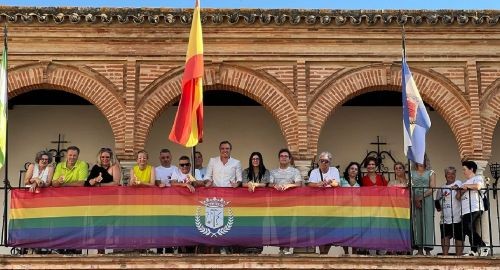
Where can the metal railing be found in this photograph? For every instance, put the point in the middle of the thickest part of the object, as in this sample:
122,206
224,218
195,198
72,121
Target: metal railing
440,215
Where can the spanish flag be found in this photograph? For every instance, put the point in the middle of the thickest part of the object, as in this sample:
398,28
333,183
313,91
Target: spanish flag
188,124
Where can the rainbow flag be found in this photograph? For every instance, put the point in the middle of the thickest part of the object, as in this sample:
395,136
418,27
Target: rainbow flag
126,217
188,124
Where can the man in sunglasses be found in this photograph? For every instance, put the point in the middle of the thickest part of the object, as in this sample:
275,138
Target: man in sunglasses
183,177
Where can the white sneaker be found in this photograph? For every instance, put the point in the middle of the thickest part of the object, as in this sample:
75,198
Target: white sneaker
472,253
223,251
484,251
287,251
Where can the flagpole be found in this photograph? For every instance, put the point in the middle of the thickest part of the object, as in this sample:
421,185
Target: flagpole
193,161
6,165
410,186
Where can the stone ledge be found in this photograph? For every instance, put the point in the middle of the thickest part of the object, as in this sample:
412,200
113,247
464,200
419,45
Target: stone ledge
244,262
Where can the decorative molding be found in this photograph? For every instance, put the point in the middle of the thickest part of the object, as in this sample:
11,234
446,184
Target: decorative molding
323,17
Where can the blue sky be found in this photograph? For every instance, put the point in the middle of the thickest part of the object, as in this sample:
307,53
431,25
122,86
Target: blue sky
308,4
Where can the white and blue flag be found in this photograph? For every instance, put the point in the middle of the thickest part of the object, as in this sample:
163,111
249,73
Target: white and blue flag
416,121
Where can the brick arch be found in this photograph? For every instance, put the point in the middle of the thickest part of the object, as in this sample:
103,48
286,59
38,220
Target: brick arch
436,90
263,88
76,80
490,115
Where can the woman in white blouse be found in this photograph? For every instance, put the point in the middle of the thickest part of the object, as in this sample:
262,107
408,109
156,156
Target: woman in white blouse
39,174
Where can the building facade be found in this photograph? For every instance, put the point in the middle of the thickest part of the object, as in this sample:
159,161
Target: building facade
300,65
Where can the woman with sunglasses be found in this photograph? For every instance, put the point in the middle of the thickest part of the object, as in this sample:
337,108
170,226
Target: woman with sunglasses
256,175
324,176
39,174
106,171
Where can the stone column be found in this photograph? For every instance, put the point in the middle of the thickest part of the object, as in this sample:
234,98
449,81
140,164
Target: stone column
304,166
126,165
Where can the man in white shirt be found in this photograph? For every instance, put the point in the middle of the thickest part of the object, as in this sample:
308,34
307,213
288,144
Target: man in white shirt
163,175
223,171
451,207
165,170
198,163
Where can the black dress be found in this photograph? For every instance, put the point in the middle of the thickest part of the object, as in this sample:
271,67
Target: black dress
106,177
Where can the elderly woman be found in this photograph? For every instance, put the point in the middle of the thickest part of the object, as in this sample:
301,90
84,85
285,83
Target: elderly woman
400,179
142,174
423,182
325,175
106,171
256,175
39,174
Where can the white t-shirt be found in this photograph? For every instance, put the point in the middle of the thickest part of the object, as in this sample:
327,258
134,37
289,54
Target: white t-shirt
183,178
290,175
470,205
451,207
223,174
164,174
331,174
203,172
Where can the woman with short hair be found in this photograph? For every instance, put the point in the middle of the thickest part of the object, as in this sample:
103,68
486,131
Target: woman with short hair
142,174
400,179
39,174
372,178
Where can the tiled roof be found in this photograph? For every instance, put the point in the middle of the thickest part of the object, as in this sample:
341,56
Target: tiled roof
277,17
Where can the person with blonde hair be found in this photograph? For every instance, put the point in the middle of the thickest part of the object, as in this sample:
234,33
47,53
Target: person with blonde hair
106,171
142,174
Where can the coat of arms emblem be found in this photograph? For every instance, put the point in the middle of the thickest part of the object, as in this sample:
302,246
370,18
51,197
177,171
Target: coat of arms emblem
214,217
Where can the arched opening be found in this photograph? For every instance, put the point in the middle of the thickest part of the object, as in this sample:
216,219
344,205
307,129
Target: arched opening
36,118
350,130
495,153
228,116
272,95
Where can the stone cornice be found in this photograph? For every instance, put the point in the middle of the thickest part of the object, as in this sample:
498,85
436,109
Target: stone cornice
270,17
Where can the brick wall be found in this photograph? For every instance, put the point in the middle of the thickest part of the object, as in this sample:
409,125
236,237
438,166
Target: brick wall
137,74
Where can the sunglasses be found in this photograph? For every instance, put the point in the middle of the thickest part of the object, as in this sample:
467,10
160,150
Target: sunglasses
184,164
324,161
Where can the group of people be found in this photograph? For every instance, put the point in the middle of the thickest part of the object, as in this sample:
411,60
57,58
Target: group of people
460,202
